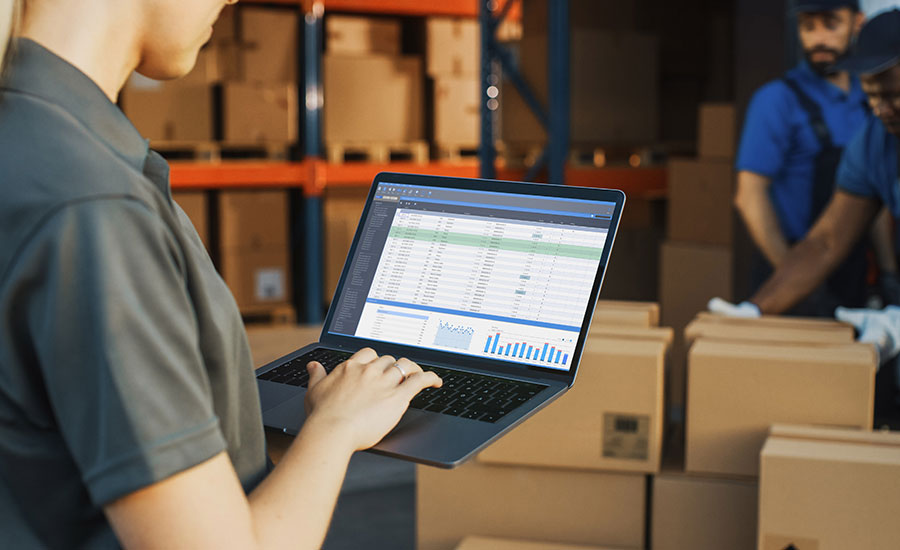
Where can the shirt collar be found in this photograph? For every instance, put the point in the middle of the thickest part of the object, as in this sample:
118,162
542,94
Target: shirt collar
811,79
36,71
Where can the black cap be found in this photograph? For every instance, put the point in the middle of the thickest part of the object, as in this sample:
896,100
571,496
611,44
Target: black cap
818,6
878,47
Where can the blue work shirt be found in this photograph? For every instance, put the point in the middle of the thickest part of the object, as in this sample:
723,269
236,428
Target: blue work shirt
778,141
869,166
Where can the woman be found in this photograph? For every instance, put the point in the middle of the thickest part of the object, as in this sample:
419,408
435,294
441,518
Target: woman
128,407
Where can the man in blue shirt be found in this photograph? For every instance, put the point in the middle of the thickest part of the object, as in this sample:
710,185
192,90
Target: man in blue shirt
794,134
866,180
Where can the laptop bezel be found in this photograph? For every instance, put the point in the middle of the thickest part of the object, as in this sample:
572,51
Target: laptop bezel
470,362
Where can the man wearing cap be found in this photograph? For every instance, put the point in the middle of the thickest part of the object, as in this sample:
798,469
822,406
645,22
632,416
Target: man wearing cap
794,134
866,179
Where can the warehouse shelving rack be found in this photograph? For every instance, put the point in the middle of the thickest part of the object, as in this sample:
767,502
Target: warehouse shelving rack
312,174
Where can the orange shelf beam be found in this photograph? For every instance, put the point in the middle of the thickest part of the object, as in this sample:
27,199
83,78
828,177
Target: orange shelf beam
453,8
196,175
315,176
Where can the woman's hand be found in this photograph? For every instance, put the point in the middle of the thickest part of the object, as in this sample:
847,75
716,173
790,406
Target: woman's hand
365,396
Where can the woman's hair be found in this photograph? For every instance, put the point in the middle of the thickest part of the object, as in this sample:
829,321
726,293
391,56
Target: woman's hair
10,15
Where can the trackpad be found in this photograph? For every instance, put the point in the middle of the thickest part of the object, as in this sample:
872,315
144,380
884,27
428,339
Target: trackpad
288,415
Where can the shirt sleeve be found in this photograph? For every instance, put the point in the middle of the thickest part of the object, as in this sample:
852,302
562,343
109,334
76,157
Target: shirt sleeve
852,175
118,346
766,138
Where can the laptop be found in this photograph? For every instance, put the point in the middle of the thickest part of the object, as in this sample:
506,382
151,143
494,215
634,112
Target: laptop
490,284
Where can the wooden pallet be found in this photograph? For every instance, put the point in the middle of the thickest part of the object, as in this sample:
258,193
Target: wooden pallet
519,155
457,153
276,314
343,152
215,151
600,157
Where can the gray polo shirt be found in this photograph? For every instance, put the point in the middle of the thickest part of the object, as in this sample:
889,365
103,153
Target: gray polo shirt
123,359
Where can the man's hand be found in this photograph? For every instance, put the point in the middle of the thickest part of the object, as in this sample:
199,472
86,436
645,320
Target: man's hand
881,328
745,310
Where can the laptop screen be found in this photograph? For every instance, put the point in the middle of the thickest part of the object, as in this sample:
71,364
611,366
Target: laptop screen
494,275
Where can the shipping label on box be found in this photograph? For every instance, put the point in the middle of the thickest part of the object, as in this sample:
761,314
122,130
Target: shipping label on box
270,285
626,436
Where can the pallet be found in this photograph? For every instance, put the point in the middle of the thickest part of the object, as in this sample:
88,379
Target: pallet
519,155
601,157
276,314
344,152
215,151
457,153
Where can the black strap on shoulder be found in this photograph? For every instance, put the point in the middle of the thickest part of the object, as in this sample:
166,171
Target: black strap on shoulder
814,110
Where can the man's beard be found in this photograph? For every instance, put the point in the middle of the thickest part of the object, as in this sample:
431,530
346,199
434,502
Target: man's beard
823,68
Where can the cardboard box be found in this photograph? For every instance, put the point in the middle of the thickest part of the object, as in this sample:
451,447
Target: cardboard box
269,44
611,419
491,543
657,334
260,113
631,314
830,491
257,277
361,35
718,131
216,63
541,504
357,111
196,205
786,330
633,269
696,513
691,274
169,111
253,219
457,111
701,193
342,208
614,99
453,47
736,390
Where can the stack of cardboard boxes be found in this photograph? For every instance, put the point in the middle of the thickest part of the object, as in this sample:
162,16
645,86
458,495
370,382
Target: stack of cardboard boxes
253,248
824,488
373,93
696,261
614,77
576,472
242,89
745,375
454,63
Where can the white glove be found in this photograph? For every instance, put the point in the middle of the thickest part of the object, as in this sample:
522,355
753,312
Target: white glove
745,310
880,328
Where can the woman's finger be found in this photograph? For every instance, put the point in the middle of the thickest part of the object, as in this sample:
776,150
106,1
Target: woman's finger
316,373
417,382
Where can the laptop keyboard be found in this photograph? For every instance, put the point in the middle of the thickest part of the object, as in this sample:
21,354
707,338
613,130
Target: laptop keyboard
464,394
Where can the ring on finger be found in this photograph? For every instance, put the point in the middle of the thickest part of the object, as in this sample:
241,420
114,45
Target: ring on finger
403,373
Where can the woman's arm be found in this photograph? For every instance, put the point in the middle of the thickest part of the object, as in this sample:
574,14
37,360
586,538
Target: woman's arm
205,506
